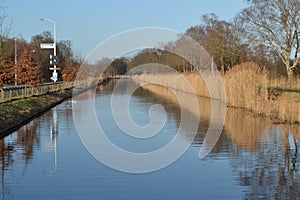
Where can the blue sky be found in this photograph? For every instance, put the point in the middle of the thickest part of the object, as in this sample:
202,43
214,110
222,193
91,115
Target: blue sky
87,23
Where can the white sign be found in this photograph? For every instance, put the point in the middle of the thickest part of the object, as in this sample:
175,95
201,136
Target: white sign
54,68
47,46
54,76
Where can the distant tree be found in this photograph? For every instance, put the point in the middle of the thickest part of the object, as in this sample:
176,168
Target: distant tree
5,28
69,73
217,39
153,57
222,40
104,65
144,56
119,66
42,55
65,58
180,61
65,53
276,23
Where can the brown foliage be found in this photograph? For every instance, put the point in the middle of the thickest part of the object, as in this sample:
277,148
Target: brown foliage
6,71
69,73
28,71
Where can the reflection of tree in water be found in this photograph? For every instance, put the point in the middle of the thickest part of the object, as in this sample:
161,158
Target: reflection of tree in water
27,138
24,141
6,152
90,92
23,144
264,160
269,172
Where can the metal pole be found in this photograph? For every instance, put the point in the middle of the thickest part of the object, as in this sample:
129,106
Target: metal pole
16,62
54,32
54,49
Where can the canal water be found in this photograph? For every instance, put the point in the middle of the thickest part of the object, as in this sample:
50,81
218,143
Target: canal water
253,159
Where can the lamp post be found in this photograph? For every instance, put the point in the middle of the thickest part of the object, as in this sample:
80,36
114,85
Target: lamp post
54,74
16,62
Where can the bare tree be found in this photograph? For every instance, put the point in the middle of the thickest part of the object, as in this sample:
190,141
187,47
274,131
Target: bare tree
223,40
5,28
276,23
42,55
65,53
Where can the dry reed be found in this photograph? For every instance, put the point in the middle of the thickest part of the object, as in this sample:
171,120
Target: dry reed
246,87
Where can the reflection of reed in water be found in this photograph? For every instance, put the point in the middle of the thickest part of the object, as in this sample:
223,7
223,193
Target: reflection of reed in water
203,107
242,128
170,102
293,129
169,96
245,130
264,157
272,171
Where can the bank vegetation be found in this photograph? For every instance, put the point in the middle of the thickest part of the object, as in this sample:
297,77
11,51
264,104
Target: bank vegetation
248,87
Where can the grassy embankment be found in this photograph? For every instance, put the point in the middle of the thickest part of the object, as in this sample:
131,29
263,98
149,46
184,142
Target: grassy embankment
246,87
14,114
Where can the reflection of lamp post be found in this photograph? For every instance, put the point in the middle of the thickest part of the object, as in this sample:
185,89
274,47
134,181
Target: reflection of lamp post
54,74
54,132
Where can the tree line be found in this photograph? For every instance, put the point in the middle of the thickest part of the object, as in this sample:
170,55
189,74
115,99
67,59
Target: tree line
23,62
266,32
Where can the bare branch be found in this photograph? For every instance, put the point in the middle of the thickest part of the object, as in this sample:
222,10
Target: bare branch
276,22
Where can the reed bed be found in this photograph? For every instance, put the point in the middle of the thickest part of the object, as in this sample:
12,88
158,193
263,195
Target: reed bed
246,87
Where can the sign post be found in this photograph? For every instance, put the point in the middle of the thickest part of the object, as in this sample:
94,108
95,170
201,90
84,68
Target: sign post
47,46
53,59
54,76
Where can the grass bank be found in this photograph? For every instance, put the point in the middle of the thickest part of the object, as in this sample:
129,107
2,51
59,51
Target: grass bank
14,114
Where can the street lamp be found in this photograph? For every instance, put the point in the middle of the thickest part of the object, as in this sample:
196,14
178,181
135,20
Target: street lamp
54,75
16,62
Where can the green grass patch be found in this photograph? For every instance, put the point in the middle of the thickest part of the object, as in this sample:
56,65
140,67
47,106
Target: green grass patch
15,112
